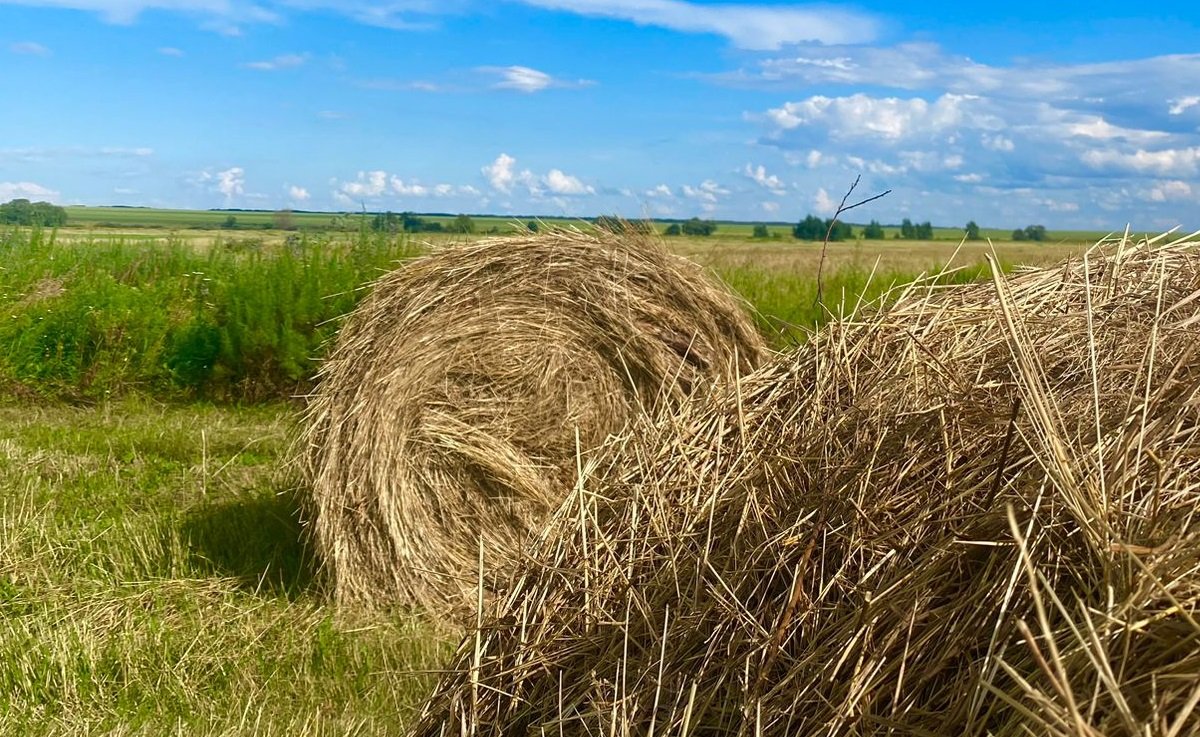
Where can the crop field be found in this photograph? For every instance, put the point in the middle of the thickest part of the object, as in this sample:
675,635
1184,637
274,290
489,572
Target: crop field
153,574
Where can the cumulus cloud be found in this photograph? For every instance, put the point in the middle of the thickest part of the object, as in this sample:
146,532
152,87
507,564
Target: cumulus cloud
565,184
708,192
528,80
746,26
758,174
298,194
378,184
661,190
1171,190
283,61
500,174
171,51
887,118
1183,104
231,182
1163,162
823,203
26,190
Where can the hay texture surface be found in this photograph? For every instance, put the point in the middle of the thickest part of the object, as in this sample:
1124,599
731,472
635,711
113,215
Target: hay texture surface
973,512
462,393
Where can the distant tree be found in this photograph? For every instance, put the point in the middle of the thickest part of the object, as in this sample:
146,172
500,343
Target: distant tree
874,231
813,228
925,231
760,231
283,219
24,212
1018,234
532,225
229,223
462,224
410,223
696,226
908,231
972,231
673,229
1035,233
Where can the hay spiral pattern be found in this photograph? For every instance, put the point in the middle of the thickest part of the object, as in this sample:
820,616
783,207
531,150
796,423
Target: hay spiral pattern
460,396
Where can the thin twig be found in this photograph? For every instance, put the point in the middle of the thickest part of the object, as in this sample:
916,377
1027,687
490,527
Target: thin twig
829,231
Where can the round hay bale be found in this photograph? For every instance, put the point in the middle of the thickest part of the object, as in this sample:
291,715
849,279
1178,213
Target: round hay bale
974,512
462,393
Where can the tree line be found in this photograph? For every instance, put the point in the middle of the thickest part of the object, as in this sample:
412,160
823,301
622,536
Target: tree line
24,212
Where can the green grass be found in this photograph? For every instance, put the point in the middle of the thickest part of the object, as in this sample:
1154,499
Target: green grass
153,580
85,320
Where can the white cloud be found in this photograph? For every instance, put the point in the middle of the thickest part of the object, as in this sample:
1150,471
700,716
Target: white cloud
26,190
767,181
925,66
708,192
378,184
1171,190
769,207
171,51
746,26
813,159
231,182
499,173
1182,104
972,178
283,61
997,142
29,48
298,194
1164,162
887,119
528,80
367,184
411,188
661,190
565,184
823,203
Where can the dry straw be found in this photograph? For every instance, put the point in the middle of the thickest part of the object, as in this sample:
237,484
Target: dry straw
972,512
461,394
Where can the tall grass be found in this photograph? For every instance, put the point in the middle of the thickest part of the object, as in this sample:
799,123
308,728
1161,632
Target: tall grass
105,316
789,307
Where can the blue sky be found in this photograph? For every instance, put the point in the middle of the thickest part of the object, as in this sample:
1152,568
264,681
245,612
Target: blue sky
1069,114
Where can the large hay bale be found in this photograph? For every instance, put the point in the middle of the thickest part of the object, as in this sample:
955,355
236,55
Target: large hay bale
974,512
464,390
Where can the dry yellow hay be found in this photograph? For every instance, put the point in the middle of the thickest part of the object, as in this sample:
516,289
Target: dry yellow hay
450,412
973,512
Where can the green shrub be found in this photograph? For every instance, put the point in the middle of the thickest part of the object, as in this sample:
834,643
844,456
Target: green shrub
107,316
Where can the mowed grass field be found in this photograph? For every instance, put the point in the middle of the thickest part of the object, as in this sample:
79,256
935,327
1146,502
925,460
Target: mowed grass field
153,576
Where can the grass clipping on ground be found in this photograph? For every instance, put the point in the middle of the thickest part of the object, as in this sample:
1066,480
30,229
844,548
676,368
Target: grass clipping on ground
971,512
463,392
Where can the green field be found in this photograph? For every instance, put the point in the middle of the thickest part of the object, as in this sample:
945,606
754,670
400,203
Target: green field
135,218
153,577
